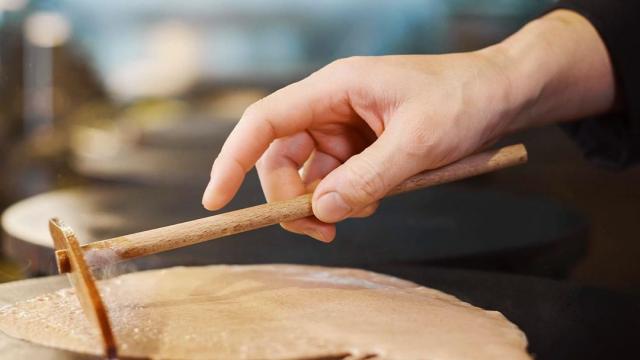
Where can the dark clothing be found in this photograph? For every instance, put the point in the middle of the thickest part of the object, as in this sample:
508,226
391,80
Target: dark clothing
613,139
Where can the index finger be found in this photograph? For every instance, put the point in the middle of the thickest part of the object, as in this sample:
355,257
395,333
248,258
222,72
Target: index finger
287,111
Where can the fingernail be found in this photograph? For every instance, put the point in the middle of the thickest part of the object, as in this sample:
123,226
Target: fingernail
208,194
331,207
315,234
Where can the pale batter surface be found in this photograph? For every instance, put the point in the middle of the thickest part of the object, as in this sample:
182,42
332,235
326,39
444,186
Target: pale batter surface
270,312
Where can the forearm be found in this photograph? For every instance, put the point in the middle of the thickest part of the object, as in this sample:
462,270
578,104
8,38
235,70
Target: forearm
558,69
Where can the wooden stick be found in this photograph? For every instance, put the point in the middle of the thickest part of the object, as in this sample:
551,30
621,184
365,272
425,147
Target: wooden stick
192,232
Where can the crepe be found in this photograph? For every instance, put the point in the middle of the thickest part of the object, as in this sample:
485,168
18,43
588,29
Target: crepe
270,312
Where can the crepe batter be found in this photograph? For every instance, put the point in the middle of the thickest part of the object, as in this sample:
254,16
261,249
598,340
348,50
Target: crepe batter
270,312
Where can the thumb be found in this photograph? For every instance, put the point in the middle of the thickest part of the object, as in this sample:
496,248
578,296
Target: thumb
362,180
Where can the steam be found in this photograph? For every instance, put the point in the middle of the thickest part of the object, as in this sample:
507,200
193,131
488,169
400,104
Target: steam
105,263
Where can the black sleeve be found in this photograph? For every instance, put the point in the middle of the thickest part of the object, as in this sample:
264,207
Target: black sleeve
613,139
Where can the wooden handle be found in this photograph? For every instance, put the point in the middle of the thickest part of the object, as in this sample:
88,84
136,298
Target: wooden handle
192,232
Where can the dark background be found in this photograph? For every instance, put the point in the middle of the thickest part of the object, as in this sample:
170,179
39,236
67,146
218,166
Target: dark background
103,75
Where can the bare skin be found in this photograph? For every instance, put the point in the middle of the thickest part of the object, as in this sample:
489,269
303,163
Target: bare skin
359,126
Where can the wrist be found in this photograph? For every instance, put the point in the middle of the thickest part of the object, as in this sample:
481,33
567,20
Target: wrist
556,69
518,93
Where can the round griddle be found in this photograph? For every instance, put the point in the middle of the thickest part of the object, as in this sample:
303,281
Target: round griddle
561,320
180,153
446,225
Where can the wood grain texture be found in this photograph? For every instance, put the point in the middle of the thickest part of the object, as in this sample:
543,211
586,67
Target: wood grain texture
477,164
192,232
85,286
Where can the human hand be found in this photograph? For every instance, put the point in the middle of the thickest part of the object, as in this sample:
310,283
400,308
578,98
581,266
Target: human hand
356,128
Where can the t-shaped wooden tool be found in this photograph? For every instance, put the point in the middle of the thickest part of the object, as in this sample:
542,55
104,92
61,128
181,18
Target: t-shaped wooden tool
82,280
73,258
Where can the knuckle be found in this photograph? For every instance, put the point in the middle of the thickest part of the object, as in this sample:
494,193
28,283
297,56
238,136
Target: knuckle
261,163
367,211
356,59
338,64
274,157
366,182
346,66
428,145
252,111
257,115
416,143
242,166
429,148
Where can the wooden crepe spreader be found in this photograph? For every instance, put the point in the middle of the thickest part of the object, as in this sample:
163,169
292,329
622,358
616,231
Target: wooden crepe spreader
77,260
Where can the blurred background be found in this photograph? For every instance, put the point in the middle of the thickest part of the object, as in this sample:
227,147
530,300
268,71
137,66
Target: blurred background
112,112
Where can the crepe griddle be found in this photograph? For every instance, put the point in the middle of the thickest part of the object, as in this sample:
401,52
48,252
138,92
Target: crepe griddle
561,320
77,260
459,225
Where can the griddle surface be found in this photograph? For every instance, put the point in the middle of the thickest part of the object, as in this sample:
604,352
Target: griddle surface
561,320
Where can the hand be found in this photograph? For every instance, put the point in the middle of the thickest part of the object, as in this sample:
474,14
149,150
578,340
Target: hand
362,125
356,128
